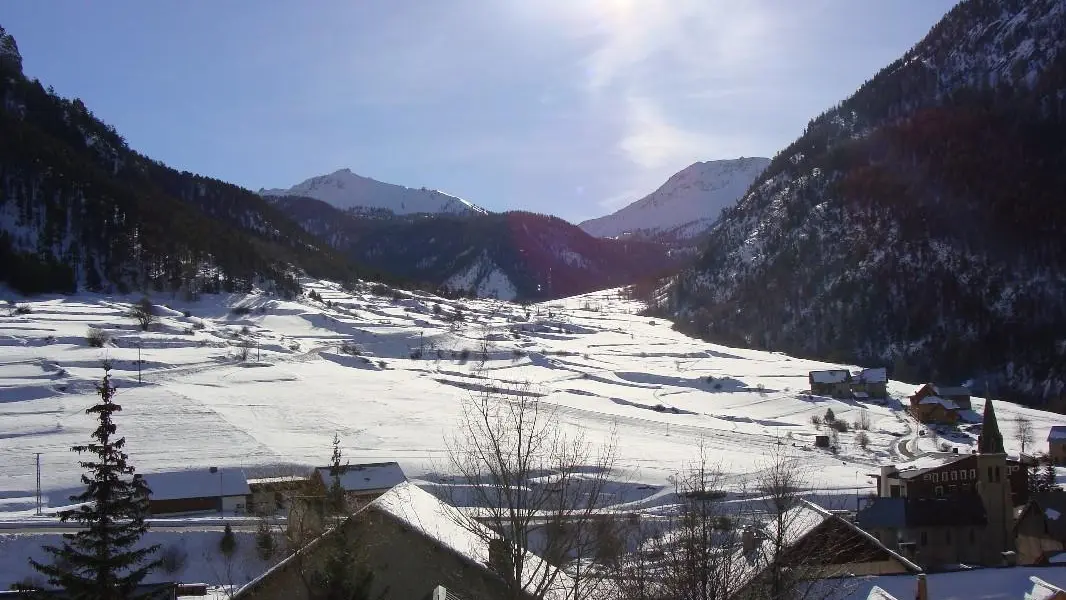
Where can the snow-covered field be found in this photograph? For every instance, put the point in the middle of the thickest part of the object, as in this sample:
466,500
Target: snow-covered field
603,366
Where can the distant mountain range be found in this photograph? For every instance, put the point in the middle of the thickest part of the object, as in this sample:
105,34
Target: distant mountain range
512,256
919,224
685,206
347,191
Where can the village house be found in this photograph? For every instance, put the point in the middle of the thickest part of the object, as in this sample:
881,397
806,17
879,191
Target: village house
941,509
272,494
413,544
1056,444
934,410
1040,529
198,490
957,394
870,383
1043,590
818,544
362,482
834,382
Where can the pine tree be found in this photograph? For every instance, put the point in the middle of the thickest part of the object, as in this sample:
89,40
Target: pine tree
335,497
829,416
102,561
228,544
1049,475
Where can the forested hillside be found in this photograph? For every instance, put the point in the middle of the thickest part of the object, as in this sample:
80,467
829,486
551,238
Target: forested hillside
514,255
80,210
919,224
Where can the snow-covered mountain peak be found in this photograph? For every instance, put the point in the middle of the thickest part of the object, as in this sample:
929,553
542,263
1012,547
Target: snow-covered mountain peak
698,192
349,191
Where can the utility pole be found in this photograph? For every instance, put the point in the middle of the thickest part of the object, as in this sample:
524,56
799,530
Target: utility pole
257,351
138,362
38,483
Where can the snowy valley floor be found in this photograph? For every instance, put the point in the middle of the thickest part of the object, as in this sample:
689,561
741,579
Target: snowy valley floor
603,366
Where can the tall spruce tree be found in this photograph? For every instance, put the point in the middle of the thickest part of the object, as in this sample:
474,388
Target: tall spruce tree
336,501
103,560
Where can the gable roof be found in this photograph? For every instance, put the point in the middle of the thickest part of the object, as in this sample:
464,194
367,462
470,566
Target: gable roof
1057,433
947,404
829,376
1043,590
876,375
198,483
366,477
799,522
439,523
877,593
1051,506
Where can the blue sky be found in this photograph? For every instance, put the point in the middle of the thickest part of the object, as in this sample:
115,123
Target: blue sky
569,107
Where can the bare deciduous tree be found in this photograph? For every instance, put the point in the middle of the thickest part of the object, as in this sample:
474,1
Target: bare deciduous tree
535,486
144,313
1023,431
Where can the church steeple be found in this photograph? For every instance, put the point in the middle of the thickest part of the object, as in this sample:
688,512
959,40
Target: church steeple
991,440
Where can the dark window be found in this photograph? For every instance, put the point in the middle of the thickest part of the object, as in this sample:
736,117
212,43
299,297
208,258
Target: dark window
973,473
997,473
990,474
939,490
951,488
894,491
925,538
954,475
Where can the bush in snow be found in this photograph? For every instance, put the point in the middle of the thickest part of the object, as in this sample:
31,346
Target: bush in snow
96,338
173,558
816,421
144,313
840,426
22,309
265,545
862,440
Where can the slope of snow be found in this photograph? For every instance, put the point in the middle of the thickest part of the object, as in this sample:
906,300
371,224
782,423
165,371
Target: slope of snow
485,279
697,193
347,368
346,190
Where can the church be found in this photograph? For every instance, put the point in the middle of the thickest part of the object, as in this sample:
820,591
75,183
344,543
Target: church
944,509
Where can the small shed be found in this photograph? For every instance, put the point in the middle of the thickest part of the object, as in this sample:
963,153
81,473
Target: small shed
821,441
1056,444
834,382
271,494
209,489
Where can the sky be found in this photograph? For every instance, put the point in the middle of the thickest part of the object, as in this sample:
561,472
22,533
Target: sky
569,107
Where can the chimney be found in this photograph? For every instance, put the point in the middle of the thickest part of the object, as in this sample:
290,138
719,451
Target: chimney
923,590
748,540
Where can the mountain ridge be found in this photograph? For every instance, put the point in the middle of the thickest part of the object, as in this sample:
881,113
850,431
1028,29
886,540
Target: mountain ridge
688,203
916,224
347,190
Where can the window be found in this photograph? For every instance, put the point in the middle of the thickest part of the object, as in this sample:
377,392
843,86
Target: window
954,475
939,490
990,474
927,477
973,473
997,473
936,477
952,488
925,538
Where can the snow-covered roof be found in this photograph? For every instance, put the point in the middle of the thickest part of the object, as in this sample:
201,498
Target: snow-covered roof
445,524
1057,433
1042,590
199,483
831,376
927,462
948,404
879,594
876,375
277,480
366,477
799,521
